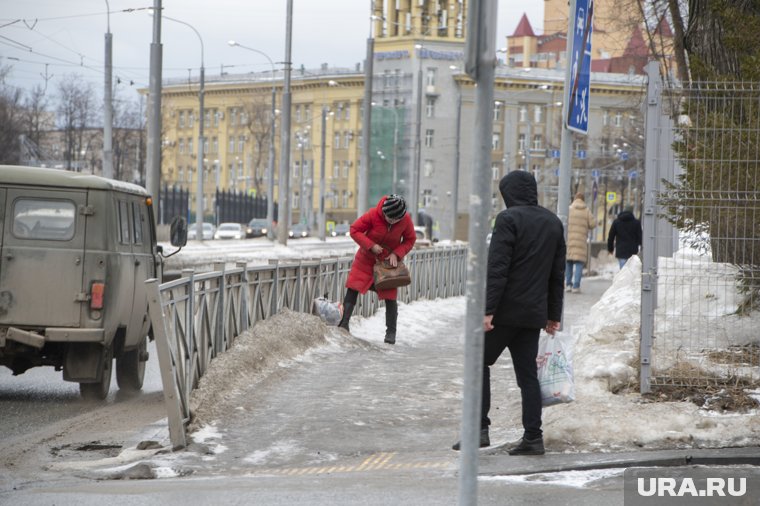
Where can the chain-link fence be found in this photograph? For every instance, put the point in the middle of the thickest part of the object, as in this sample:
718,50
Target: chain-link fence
701,221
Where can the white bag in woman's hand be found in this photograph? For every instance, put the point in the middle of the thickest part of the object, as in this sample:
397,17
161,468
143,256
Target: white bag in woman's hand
555,368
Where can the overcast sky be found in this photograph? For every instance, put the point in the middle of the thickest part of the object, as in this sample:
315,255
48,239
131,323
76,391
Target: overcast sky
68,36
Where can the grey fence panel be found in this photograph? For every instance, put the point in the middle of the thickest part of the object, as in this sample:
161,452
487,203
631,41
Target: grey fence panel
706,293
199,315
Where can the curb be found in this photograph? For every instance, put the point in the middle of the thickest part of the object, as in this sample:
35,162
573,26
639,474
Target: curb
498,462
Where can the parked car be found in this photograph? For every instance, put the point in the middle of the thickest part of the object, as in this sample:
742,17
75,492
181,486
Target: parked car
229,231
208,231
76,251
298,230
257,227
341,229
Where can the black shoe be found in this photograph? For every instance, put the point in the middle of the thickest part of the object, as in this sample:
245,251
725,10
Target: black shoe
529,447
484,440
390,337
344,325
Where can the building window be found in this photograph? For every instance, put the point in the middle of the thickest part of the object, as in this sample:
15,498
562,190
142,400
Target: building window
429,137
231,145
181,175
181,148
429,168
346,111
618,119
523,114
190,119
307,112
215,145
387,79
294,202
336,140
216,118
430,107
605,118
298,113
241,143
495,141
605,147
537,142
521,142
345,198
296,168
243,118
233,116
427,198
182,119
190,145
207,117
335,201
241,170
346,168
538,114
397,76
497,111
205,145
347,139
336,170
430,76
495,171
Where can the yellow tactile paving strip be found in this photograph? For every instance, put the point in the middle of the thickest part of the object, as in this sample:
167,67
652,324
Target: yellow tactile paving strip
377,462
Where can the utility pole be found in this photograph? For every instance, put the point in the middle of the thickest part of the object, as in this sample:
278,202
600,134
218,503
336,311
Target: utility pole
415,176
153,178
283,212
479,65
322,222
362,189
108,103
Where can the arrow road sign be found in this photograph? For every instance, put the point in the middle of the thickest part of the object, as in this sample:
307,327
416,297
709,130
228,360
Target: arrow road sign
577,119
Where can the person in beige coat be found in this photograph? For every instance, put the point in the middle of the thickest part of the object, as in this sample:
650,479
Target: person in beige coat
579,222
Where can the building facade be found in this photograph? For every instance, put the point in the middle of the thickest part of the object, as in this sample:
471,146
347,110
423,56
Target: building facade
422,112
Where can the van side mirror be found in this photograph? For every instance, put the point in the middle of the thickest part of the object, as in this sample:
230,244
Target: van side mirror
178,231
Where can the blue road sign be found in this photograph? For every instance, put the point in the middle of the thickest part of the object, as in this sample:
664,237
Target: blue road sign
580,154
624,155
633,174
578,99
595,174
555,153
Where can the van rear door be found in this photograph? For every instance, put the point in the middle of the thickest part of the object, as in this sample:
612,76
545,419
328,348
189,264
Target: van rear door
42,257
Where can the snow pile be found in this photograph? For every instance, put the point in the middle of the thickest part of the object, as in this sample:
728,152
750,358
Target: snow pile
607,351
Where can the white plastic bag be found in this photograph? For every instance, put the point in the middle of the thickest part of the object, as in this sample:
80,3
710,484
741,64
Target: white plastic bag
329,312
555,368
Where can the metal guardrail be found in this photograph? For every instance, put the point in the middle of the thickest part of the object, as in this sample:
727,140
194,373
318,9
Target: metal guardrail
198,316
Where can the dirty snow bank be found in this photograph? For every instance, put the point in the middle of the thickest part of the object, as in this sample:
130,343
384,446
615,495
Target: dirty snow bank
607,349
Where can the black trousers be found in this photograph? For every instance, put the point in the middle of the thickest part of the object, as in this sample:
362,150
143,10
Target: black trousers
523,346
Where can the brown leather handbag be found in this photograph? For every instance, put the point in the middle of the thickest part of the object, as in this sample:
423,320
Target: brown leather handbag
387,277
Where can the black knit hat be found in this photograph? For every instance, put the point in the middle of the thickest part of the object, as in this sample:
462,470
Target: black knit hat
394,207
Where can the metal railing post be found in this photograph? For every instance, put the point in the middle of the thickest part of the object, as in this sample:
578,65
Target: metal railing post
220,329
244,320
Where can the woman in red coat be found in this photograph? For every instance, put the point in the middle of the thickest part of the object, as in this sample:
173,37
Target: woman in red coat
385,232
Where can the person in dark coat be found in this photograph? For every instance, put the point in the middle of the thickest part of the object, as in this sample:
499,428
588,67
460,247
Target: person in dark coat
524,294
625,236
384,232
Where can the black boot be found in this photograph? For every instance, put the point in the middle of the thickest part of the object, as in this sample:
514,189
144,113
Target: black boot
484,440
348,308
529,447
391,315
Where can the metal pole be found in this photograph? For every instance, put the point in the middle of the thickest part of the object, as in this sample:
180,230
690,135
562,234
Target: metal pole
284,183
153,158
455,188
395,150
566,142
302,177
363,176
108,103
199,176
415,193
481,58
649,224
322,222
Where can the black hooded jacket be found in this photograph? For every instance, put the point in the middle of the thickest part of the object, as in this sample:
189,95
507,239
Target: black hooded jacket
526,259
625,235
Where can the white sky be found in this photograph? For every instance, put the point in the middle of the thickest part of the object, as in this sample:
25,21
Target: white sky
71,32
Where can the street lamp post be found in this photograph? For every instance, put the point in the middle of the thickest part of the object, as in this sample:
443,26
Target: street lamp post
283,223
108,106
322,222
415,177
272,127
199,175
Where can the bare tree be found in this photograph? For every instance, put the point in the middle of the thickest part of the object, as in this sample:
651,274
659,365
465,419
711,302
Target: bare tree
11,125
76,110
128,122
36,116
258,122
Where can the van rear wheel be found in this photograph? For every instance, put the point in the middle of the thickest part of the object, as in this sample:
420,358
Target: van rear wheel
99,390
130,368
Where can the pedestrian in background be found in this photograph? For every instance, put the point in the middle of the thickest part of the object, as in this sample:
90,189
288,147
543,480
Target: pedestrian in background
384,232
579,222
526,263
625,236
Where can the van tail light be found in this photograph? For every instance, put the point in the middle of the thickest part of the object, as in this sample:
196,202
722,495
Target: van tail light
96,295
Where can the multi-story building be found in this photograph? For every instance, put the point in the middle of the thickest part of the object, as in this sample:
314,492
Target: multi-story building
423,106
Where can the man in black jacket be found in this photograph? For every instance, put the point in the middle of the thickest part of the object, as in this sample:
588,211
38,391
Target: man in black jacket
524,291
625,236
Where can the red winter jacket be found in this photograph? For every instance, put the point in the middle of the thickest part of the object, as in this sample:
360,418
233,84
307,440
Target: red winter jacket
370,229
